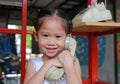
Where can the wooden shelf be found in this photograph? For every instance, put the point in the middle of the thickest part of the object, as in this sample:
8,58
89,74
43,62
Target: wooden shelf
95,26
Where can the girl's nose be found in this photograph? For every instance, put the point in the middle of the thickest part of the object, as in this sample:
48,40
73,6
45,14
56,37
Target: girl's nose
51,41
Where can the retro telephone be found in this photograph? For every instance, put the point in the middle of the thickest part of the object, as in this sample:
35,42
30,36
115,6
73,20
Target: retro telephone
54,73
94,13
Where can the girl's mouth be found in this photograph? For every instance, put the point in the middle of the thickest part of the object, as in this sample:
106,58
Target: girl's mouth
51,50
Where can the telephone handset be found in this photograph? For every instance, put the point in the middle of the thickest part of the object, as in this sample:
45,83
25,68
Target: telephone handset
55,73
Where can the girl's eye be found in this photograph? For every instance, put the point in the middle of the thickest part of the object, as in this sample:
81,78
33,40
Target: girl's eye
45,35
58,36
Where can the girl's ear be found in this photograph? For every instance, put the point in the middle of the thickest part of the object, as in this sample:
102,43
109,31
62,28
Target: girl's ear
69,34
35,36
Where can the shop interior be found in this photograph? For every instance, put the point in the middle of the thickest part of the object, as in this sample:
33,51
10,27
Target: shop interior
17,44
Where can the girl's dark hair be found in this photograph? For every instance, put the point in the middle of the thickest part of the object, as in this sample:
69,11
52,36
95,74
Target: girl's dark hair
51,12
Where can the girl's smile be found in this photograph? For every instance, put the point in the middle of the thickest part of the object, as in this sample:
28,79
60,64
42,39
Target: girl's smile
51,50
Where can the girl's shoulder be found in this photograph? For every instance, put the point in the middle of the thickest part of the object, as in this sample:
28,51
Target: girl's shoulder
37,62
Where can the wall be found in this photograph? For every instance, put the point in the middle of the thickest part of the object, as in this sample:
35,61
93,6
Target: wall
106,57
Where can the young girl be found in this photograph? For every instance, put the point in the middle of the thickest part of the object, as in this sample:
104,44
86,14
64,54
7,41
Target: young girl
52,27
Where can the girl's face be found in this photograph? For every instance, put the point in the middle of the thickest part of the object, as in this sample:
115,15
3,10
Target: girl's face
51,37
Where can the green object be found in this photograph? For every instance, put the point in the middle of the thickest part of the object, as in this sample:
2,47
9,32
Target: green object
118,68
118,35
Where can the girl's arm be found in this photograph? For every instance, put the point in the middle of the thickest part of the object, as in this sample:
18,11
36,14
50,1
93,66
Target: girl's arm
73,75
72,69
33,77
78,70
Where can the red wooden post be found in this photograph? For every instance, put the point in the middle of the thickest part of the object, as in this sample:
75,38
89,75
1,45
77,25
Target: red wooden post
93,54
91,2
93,58
23,43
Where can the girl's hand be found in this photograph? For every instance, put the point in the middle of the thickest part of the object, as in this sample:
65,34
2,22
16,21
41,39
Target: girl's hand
55,62
66,58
